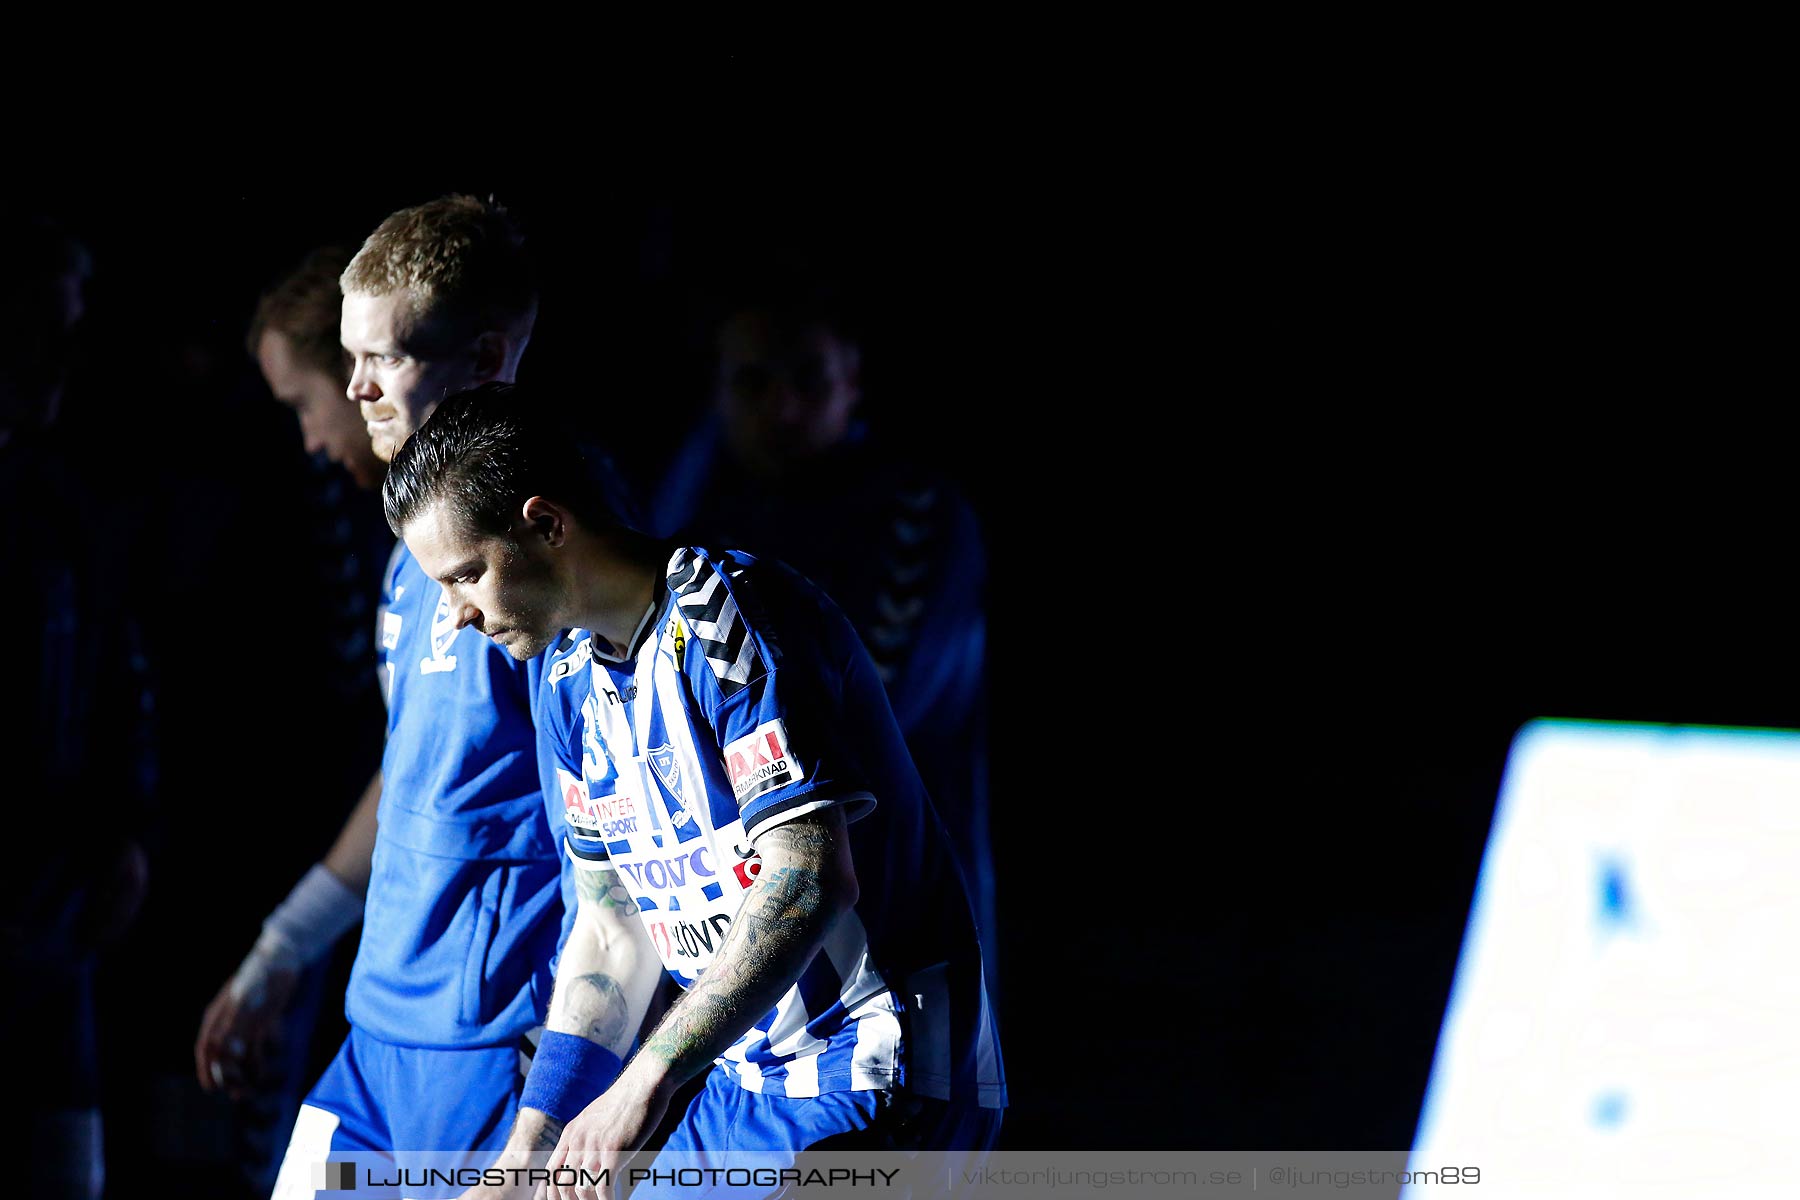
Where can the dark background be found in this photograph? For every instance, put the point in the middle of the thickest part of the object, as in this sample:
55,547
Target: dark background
1287,538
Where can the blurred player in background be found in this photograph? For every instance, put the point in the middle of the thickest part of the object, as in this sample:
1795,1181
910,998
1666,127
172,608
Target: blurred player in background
255,1046
294,339
785,465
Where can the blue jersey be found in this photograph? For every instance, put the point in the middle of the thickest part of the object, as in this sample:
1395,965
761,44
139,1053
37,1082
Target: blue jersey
464,903
746,700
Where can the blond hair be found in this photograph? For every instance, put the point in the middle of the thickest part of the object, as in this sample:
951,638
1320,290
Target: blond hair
462,260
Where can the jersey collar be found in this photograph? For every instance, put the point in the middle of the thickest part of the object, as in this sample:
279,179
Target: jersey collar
603,649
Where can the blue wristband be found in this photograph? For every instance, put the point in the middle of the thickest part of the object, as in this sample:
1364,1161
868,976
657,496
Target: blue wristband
567,1072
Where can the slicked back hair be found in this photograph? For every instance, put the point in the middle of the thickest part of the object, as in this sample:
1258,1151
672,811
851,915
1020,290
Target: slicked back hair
462,260
486,451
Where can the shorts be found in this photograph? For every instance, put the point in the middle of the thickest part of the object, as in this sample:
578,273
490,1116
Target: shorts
727,1125
376,1097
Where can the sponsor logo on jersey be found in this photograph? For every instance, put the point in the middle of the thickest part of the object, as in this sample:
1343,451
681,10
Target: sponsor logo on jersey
760,762
687,902
390,629
568,666
679,633
443,633
608,816
748,866
574,798
628,693
673,871
697,941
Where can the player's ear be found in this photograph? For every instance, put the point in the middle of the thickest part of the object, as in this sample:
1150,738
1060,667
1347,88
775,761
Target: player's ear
546,520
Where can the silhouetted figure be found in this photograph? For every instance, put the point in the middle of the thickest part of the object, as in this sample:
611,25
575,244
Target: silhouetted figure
77,747
293,337
783,465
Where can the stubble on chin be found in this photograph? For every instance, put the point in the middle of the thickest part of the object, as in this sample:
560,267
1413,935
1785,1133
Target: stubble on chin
523,646
523,650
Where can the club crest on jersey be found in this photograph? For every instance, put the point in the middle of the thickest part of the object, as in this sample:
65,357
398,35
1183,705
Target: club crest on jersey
662,761
679,634
760,762
443,633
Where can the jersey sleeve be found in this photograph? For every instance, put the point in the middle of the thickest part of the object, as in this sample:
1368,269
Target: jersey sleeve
781,742
562,753
768,671
783,755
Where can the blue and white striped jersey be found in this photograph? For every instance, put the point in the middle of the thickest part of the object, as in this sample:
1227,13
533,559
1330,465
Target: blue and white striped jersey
746,700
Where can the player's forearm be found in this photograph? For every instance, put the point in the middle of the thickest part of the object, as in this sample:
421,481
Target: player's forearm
534,1131
805,886
608,970
350,856
329,899
605,980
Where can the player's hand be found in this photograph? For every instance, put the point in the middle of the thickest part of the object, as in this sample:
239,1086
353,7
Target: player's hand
238,1032
605,1135
513,1158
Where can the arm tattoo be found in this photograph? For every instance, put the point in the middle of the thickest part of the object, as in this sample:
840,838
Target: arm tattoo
593,1006
787,896
604,888
595,985
775,934
602,1001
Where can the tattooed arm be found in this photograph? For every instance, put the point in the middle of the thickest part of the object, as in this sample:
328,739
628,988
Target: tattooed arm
608,970
604,983
807,883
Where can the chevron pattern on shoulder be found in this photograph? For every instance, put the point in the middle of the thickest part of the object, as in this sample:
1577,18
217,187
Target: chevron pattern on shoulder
712,615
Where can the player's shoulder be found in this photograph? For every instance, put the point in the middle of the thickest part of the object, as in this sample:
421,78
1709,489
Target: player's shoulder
745,617
720,625
691,568
567,657
762,588
565,682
